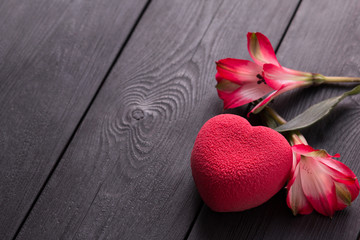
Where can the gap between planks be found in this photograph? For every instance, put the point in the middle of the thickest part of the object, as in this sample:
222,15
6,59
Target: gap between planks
82,117
276,50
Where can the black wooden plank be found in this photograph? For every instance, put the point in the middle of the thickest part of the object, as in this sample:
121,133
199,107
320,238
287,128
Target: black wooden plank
323,38
126,174
53,57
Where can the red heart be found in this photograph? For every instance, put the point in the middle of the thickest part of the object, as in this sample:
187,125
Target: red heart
237,166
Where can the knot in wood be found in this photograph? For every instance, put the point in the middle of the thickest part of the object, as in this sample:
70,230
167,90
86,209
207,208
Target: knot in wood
138,114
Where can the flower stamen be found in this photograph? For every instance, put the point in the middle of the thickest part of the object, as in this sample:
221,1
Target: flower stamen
261,79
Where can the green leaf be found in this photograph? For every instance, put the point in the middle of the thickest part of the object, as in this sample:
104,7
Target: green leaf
315,112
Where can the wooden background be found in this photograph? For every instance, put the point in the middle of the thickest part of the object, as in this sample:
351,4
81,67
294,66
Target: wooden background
101,102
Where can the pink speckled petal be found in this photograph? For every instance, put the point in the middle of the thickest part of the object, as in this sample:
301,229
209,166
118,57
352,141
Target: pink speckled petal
318,186
296,199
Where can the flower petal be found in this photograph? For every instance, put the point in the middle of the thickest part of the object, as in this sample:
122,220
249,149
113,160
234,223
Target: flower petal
226,85
277,76
354,189
271,96
296,160
346,194
293,173
318,186
302,149
260,49
338,166
296,199
238,70
243,95
343,196
345,176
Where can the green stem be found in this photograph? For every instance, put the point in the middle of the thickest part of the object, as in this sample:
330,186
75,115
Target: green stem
297,138
341,79
294,137
275,115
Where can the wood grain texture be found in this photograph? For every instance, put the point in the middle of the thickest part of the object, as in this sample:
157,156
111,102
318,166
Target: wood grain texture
323,38
53,57
126,174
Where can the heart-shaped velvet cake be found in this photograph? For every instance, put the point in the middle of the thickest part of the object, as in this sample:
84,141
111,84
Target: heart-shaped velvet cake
237,166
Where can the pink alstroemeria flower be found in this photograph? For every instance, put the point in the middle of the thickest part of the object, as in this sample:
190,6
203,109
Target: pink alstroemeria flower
319,182
239,82
242,81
